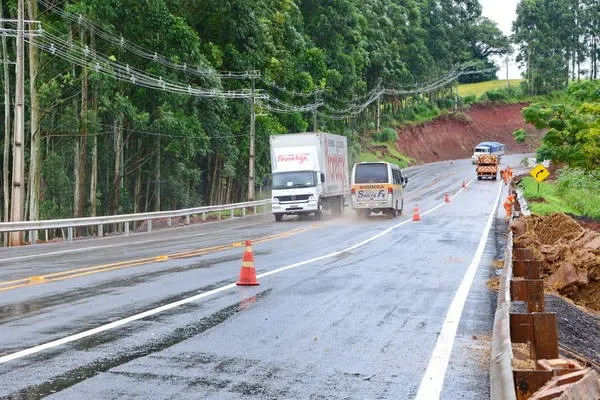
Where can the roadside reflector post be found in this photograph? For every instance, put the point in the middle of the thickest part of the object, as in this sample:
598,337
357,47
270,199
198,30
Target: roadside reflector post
126,228
187,219
100,230
203,216
243,211
232,213
254,209
169,222
70,234
33,236
149,225
219,215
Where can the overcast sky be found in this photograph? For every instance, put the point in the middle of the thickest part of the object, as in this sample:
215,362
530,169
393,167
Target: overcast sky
503,12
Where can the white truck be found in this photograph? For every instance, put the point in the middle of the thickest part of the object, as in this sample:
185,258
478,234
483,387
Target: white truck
310,174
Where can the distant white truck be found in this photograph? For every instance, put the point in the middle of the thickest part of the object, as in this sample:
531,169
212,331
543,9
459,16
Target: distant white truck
310,174
482,148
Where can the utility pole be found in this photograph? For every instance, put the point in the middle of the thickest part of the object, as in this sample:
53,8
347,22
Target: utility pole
18,186
507,81
315,111
252,134
378,114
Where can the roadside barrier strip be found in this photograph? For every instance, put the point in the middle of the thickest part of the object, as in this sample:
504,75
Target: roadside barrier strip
439,360
502,384
74,273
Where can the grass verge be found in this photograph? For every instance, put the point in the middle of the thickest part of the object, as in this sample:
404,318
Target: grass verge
376,151
480,88
574,192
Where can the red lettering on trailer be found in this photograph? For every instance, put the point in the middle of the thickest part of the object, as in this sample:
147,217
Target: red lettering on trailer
299,158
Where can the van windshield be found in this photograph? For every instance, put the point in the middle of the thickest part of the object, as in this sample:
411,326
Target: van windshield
371,173
294,179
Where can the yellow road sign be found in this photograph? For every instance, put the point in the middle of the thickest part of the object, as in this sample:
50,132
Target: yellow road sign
539,173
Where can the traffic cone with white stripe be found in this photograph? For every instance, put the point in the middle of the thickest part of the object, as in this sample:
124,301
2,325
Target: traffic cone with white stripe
248,272
446,198
416,216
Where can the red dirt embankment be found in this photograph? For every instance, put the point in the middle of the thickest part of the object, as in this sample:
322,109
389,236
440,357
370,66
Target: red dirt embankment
454,136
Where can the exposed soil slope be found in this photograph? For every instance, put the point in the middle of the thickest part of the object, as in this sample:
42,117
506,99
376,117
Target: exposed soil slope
570,255
453,137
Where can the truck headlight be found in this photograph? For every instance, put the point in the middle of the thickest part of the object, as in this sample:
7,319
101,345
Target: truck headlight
312,198
275,200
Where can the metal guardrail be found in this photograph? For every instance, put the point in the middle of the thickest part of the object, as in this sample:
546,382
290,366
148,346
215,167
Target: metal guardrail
125,219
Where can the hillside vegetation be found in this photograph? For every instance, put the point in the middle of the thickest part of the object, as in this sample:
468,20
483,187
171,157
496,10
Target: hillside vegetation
146,105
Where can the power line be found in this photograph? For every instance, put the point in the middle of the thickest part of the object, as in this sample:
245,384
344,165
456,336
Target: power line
141,51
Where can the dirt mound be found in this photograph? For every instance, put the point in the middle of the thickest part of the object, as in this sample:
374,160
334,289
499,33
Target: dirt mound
454,137
570,255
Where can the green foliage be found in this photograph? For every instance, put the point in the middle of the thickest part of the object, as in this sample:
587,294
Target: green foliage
178,150
575,192
556,40
573,127
386,135
520,135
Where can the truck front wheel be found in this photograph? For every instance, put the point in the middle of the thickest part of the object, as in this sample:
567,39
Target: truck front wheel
319,212
278,217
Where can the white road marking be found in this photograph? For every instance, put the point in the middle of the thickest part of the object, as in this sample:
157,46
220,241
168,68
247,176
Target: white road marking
116,324
433,380
84,249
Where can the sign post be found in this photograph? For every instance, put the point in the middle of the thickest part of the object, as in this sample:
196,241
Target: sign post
539,173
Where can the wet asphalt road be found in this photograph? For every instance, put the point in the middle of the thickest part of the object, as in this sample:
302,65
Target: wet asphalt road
358,324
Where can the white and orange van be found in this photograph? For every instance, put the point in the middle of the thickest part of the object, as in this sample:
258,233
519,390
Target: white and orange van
377,186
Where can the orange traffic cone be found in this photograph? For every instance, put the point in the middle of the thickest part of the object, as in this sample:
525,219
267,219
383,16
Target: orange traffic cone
446,198
416,216
248,272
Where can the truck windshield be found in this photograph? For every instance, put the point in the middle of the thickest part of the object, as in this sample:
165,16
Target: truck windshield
371,173
482,149
294,179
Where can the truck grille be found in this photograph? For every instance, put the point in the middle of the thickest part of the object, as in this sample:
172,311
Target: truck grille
295,197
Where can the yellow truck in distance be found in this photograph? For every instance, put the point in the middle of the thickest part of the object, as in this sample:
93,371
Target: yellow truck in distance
487,167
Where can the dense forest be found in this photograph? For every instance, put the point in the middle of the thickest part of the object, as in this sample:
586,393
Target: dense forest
558,42
141,105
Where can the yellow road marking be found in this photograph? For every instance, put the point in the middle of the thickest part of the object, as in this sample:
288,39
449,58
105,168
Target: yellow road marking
78,272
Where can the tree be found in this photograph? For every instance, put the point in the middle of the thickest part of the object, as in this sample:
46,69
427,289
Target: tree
573,127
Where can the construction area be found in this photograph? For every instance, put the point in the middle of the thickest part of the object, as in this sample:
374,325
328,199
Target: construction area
549,303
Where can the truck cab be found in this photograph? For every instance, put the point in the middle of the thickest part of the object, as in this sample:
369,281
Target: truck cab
295,192
482,148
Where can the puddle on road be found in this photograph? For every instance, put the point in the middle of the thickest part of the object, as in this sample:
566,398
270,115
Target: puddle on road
92,369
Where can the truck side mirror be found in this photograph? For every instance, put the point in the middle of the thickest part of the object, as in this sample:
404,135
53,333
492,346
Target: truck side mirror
322,177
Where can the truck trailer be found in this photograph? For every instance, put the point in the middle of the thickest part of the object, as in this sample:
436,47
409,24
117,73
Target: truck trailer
310,174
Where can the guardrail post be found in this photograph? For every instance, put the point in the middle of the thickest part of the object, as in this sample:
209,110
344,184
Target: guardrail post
169,221
100,230
127,228
203,217
243,211
33,236
232,213
187,219
70,234
149,225
219,215
254,209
